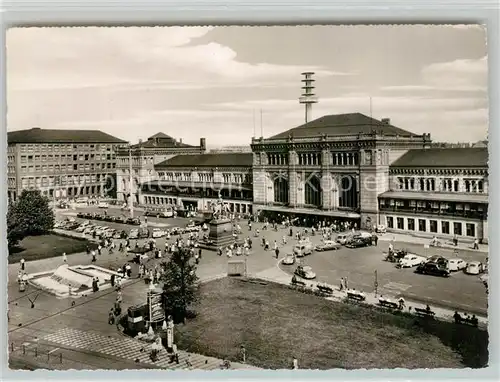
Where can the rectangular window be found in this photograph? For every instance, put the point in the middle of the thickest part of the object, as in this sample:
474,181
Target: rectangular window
422,225
445,228
411,224
471,229
390,222
401,223
433,226
457,228
75,167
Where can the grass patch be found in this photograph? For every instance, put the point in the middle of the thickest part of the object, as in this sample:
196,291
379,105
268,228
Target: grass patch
44,246
277,324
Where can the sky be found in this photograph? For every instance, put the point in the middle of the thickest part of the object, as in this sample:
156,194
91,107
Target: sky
228,84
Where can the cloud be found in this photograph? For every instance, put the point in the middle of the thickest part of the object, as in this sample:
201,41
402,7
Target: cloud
73,58
468,73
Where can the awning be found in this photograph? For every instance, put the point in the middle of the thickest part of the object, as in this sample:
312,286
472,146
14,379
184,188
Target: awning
436,196
306,211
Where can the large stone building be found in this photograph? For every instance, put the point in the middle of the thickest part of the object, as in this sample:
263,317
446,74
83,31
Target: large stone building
334,166
438,192
144,156
61,163
195,181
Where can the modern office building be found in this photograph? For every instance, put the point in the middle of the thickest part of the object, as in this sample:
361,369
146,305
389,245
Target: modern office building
438,192
141,159
61,163
335,166
195,181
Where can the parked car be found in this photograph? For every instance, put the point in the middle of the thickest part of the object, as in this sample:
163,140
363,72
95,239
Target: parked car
456,265
381,229
439,260
81,228
328,245
305,272
133,221
410,261
120,219
134,233
289,259
103,205
474,268
143,233
359,242
157,233
342,238
433,269
303,248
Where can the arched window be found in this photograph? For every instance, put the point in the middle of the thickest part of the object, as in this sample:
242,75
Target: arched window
348,191
313,191
281,190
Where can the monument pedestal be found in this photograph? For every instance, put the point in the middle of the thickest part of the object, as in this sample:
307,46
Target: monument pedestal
221,232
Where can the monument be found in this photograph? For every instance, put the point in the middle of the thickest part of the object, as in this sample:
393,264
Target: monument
220,226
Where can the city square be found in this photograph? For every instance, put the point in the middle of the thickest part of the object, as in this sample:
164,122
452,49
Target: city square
339,238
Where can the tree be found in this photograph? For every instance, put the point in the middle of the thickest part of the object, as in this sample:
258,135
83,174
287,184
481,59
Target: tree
180,288
30,215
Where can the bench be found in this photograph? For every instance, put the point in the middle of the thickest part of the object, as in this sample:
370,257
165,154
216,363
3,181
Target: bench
388,304
424,313
356,296
471,321
325,289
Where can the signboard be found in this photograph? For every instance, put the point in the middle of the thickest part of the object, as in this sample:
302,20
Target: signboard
156,312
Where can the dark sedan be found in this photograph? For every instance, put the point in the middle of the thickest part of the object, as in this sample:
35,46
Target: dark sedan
432,269
359,243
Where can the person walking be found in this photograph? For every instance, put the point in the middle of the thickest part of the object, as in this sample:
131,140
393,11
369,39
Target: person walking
277,252
476,244
341,284
65,258
23,265
93,257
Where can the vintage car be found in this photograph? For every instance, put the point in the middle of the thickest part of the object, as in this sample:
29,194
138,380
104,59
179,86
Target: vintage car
456,264
328,245
410,261
303,248
133,221
474,268
381,229
305,272
157,233
433,269
359,242
342,238
134,234
288,259
103,205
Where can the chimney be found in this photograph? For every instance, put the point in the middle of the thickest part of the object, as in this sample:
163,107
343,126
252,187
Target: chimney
203,144
180,140
386,121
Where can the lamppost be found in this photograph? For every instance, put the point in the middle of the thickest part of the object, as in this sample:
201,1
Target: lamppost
376,283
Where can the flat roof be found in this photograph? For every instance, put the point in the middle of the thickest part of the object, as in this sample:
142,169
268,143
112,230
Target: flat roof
37,135
209,160
436,196
445,157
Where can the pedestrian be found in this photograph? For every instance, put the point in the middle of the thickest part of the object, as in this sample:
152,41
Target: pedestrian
93,257
247,251
99,249
295,365
199,253
341,284
476,244
346,284
277,251
128,269
111,317
401,302
65,258
23,264
284,240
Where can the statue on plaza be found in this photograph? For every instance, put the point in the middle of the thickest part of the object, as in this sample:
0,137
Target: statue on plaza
219,209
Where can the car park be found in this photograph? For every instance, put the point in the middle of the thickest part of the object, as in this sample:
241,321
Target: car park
410,261
289,259
456,264
434,269
474,268
328,245
305,272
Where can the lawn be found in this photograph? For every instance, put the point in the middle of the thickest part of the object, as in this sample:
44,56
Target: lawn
277,324
45,246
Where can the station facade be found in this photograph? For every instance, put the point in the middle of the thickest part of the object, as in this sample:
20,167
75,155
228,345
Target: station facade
195,182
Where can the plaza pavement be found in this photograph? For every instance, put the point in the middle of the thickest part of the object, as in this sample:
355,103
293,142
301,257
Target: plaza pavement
55,325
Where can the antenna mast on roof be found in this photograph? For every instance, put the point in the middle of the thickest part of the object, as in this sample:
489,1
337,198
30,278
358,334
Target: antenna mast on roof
308,97
261,125
254,123
371,116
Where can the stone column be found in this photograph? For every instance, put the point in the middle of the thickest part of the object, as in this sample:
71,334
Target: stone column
292,179
326,181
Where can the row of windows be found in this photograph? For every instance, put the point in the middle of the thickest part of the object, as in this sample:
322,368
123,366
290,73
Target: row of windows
66,147
136,160
277,159
446,184
61,180
203,177
11,158
429,205
422,225
67,167
64,157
